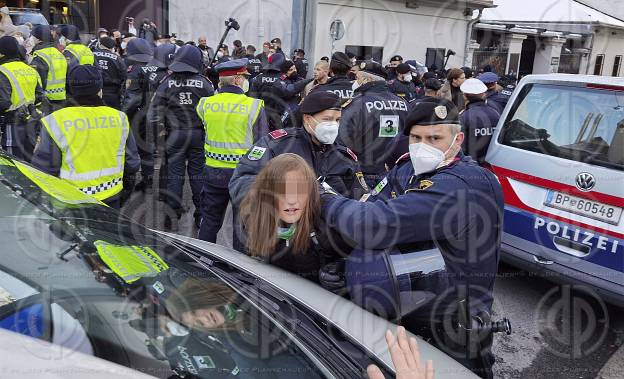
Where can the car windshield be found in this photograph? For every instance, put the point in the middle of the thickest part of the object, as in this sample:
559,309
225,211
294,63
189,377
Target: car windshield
33,18
575,123
126,295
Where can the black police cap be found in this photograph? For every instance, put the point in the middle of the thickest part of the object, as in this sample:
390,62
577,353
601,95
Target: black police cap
320,101
403,68
374,68
434,111
396,58
342,59
433,84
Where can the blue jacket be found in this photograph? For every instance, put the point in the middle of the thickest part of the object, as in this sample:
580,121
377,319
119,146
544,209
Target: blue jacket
458,207
478,124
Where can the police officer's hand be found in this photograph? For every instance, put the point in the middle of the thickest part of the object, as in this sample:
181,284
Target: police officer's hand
332,277
406,358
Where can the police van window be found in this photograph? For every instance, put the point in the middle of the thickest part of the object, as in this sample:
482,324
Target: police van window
575,123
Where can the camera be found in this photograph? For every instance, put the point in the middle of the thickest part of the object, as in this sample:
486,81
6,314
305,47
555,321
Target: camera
232,23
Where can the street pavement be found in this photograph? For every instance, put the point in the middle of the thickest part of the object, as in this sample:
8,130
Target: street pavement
558,331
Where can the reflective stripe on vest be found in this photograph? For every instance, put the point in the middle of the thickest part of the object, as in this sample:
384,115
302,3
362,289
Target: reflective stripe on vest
228,120
92,141
130,263
83,54
24,80
57,73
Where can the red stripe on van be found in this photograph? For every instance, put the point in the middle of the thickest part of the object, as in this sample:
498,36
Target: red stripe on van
512,199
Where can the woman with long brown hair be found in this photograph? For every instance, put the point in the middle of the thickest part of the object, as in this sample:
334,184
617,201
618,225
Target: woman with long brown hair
280,216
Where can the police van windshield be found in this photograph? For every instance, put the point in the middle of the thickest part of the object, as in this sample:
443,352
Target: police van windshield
580,124
33,18
127,296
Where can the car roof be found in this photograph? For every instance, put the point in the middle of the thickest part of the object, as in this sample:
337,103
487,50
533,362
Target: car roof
22,357
362,326
573,79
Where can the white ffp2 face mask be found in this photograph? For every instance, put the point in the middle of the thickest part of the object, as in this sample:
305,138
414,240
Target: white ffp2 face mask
426,158
246,86
408,78
326,132
355,85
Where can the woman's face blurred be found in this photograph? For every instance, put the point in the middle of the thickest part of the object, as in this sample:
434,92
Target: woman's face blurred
208,318
291,204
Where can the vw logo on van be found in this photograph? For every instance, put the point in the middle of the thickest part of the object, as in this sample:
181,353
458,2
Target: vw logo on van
585,181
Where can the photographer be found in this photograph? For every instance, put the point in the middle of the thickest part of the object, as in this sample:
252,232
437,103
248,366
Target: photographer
148,31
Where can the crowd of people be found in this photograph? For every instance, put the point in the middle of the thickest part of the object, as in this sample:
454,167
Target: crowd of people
356,157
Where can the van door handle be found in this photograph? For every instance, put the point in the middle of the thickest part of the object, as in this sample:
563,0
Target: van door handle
542,261
573,248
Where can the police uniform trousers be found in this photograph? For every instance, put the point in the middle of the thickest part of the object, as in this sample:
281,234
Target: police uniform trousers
18,135
145,144
215,197
184,153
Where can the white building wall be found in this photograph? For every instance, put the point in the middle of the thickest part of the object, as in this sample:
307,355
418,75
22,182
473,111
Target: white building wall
260,20
401,30
609,42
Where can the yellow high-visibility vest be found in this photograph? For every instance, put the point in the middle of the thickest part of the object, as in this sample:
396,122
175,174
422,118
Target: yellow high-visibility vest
24,80
83,54
92,141
228,121
57,73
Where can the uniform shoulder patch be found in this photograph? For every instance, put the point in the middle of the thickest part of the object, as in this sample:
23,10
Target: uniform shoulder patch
277,134
405,157
256,153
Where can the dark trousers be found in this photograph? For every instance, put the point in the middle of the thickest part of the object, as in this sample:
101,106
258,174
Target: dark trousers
145,144
19,137
215,197
184,153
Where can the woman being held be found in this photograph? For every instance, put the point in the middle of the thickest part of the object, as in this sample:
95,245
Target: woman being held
280,217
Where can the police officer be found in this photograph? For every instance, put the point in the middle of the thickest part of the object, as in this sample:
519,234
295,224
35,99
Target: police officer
395,61
20,92
435,197
371,120
173,108
493,96
51,66
301,63
135,101
90,144
478,120
232,121
157,69
338,83
113,69
314,142
75,51
94,43
403,86
275,92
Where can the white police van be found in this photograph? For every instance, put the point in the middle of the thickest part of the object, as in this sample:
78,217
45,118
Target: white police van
558,152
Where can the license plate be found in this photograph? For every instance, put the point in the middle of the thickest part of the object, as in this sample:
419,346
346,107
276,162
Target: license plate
584,207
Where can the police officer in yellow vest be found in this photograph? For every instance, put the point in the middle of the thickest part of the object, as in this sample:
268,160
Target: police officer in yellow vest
233,122
20,92
51,66
89,145
75,51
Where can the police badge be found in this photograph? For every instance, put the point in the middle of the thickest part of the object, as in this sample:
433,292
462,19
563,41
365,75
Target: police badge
441,112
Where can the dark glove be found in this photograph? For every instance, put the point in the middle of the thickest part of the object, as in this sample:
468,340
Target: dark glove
332,278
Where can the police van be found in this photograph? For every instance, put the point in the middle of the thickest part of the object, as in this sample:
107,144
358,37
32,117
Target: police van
558,151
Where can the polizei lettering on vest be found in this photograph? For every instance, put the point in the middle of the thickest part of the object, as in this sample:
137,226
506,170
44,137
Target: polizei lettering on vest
229,108
386,105
186,83
81,124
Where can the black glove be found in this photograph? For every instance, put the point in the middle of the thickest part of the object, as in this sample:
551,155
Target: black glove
332,278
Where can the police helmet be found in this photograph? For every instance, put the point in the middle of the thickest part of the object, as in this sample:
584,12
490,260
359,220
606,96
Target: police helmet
163,55
187,59
139,50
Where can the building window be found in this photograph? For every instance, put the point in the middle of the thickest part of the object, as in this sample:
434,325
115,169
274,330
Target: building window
366,52
434,59
616,65
598,64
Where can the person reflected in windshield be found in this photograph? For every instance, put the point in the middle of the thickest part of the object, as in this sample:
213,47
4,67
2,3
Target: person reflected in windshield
280,217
